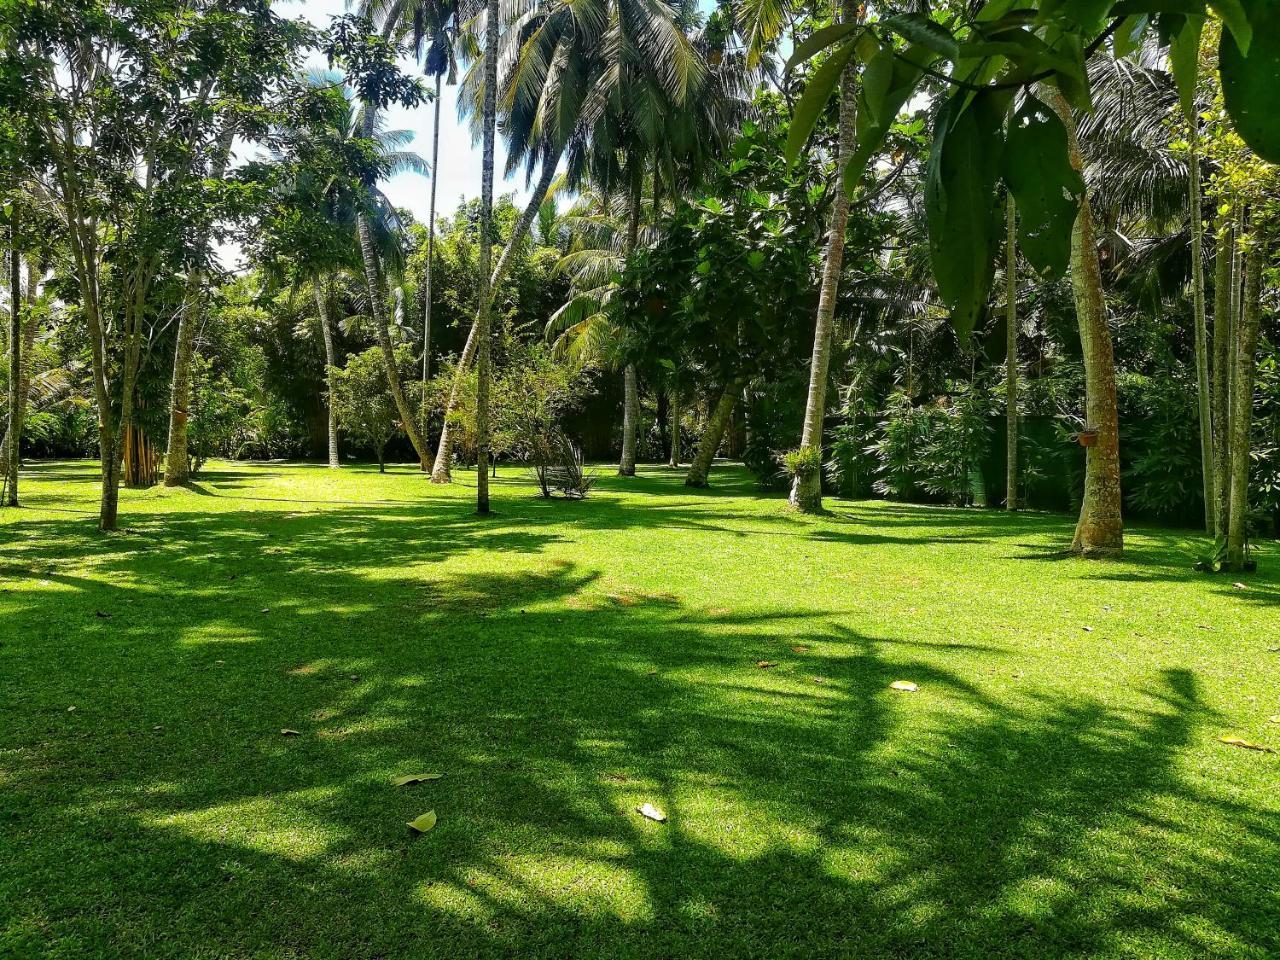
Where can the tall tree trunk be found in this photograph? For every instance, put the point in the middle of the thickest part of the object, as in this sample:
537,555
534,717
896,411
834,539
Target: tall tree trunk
1100,529
440,472
1242,405
177,468
428,273
378,310
712,434
15,360
1201,335
330,367
483,314
1011,355
806,487
631,391
34,271
677,414
1223,335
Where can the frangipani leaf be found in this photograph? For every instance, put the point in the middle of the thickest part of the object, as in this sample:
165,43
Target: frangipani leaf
423,823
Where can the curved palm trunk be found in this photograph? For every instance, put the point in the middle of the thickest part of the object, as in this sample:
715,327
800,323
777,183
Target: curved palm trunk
806,487
427,294
483,314
712,434
440,472
1011,355
378,309
1223,334
1100,529
1242,407
330,369
1201,336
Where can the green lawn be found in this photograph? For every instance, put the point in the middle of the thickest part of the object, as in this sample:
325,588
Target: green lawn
1056,787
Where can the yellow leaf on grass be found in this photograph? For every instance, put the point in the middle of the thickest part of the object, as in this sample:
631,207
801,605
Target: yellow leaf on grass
906,686
423,823
652,812
409,778
286,732
1275,718
765,664
1245,744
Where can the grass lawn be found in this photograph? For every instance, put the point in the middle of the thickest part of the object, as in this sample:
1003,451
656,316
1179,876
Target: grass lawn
1056,787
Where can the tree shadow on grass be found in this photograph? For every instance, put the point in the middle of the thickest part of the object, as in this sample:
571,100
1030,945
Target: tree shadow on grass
813,812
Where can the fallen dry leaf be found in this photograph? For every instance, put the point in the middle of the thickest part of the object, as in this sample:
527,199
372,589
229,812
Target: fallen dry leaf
409,778
1087,629
800,648
652,812
423,823
765,664
1245,744
1274,718
819,679
906,686
286,732
1239,586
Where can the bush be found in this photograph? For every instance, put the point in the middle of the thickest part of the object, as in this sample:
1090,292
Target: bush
558,465
904,431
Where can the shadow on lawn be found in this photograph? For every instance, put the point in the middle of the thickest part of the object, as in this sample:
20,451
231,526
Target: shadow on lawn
807,819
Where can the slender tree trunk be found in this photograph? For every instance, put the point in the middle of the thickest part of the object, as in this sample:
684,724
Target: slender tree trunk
1201,335
1223,335
1011,355
483,314
806,487
676,417
440,472
1242,406
15,361
330,367
34,272
712,434
1100,529
428,293
631,391
177,468
378,310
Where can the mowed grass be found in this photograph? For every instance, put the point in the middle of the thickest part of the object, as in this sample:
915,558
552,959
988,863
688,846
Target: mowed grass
1056,787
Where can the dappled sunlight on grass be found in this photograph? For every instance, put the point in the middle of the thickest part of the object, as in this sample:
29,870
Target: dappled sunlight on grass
1049,790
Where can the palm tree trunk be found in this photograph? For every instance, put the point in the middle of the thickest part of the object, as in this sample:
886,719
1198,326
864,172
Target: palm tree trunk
1223,335
378,310
483,373
1201,335
330,368
15,361
630,391
440,472
1011,355
806,487
177,468
712,434
1100,529
1242,407
676,417
427,294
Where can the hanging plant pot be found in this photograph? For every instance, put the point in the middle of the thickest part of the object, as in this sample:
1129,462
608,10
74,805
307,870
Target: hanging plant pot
179,416
1087,438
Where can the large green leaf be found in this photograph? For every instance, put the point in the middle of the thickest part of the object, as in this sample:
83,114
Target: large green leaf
814,99
1250,81
818,41
1044,185
887,83
1184,58
919,29
960,202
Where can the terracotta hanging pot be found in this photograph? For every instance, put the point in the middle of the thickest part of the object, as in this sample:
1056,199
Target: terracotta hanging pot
1087,437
